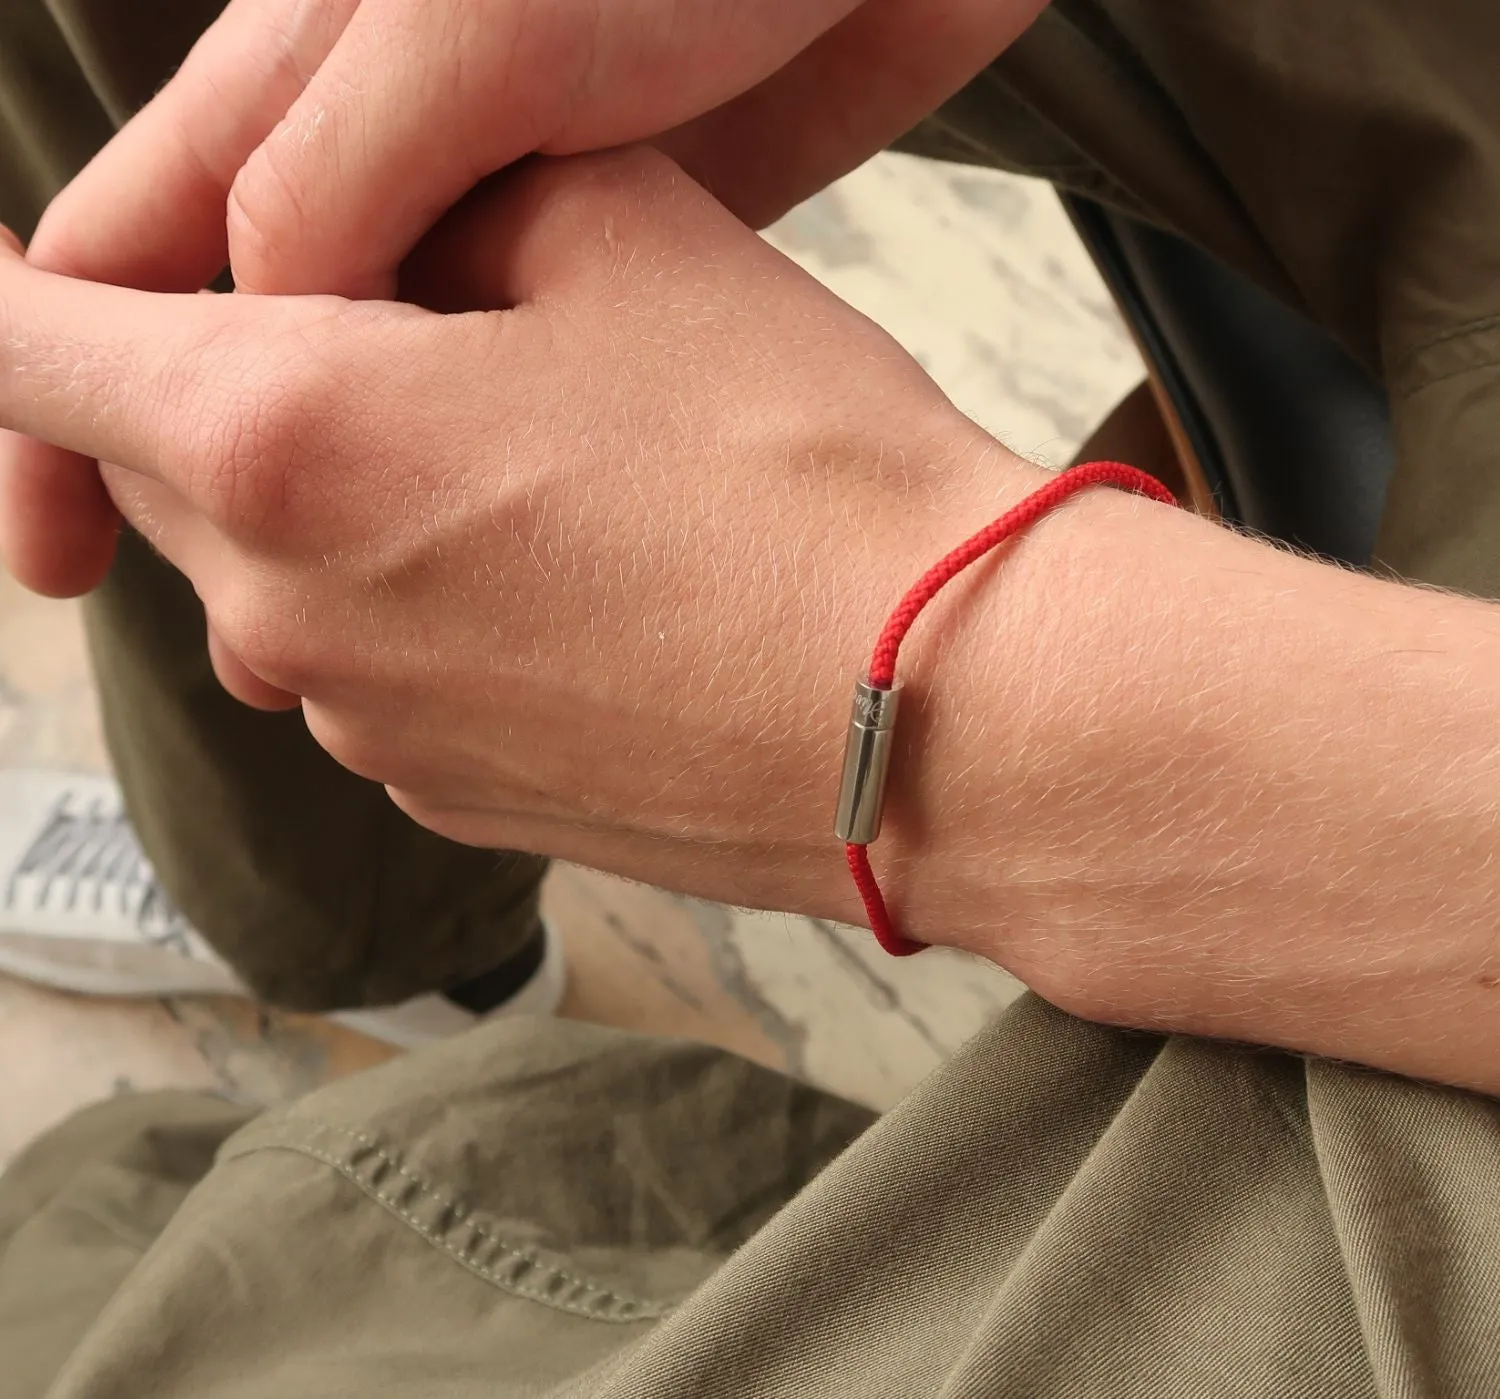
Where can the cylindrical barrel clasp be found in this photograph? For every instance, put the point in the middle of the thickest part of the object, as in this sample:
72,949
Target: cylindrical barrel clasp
867,761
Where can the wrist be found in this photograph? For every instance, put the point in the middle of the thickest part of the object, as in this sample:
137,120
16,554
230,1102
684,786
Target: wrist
1177,779
951,677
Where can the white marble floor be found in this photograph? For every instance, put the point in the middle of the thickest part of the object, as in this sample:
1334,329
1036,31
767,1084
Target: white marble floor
979,275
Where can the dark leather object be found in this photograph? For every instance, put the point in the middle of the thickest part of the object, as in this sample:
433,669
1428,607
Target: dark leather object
1293,436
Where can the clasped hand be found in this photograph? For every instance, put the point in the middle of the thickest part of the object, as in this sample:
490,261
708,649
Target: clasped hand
577,547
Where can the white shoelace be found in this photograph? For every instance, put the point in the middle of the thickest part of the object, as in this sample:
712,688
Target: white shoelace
86,860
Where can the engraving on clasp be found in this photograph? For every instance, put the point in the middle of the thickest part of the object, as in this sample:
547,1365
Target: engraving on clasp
874,708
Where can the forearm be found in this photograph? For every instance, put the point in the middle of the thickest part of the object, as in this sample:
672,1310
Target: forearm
1171,777
1178,779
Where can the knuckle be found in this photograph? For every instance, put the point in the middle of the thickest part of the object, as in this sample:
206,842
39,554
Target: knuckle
248,452
267,630
247,627
267,210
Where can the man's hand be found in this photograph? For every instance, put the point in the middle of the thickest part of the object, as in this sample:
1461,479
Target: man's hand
593,575
336,132
590,575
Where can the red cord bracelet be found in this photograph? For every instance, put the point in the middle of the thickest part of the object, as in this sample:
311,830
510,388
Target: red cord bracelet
872,725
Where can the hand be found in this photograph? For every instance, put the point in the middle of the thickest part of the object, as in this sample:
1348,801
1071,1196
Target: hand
591,576
336,133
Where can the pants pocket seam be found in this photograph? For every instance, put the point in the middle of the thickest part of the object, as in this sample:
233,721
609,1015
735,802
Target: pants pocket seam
1462,349
471,1239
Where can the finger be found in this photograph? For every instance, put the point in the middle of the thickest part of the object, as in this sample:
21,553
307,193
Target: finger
857,89
149,210
57,523
186,541
176,531
166,385
418,102
57,528
167,523
242,682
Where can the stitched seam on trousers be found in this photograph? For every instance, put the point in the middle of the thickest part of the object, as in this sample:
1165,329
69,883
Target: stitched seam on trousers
1413,358
613,1305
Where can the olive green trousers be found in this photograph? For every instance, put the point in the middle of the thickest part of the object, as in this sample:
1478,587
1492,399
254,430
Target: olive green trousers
545,1209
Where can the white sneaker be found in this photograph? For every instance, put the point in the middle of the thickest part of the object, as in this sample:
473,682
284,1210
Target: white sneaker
81,910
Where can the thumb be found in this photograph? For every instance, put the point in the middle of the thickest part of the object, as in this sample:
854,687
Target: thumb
385,137
420,100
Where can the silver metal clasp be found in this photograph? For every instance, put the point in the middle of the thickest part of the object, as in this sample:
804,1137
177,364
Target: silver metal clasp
867,762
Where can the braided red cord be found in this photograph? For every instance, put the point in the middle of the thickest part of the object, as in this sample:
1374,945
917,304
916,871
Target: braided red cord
883,663
881,922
